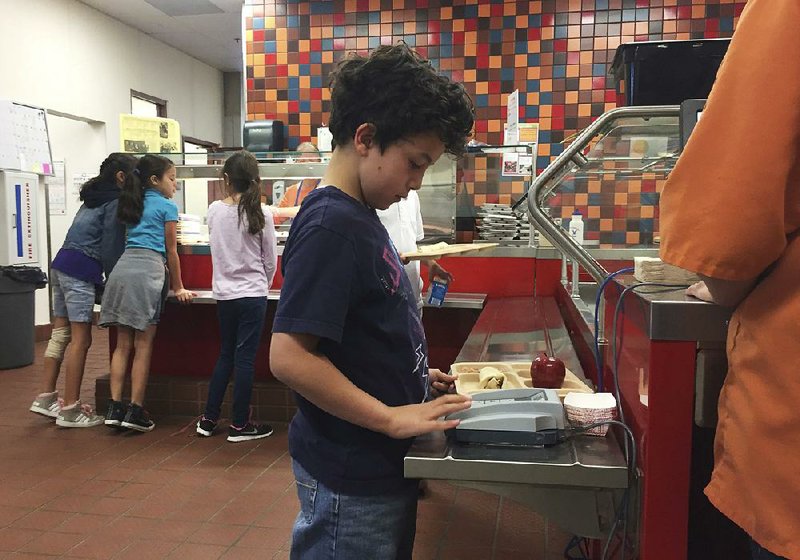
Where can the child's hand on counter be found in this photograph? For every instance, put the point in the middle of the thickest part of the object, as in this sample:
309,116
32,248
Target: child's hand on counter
417,419
184,296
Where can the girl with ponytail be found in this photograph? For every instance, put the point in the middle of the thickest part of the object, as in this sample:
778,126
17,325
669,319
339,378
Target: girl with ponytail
93,245
136,291
244,257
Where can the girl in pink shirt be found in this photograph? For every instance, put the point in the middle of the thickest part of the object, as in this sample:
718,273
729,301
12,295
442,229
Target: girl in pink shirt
244,256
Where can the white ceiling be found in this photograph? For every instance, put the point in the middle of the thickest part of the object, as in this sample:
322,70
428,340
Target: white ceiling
209,30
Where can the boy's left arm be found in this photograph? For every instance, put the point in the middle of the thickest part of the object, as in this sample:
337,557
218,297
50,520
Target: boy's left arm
295,361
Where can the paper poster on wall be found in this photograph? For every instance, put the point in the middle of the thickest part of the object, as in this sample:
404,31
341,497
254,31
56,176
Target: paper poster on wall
512,119
523,163
78,179
144,135
24,140
57,189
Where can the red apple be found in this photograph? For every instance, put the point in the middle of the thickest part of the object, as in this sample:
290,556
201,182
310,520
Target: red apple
547,372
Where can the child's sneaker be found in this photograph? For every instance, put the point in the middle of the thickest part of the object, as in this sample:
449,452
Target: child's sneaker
115,414
137,419
46,404
248,432
205,427
78,416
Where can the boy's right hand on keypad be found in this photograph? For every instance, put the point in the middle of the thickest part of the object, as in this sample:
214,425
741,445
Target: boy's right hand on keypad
417,419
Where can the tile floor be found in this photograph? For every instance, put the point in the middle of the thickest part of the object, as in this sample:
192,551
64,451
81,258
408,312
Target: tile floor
96,494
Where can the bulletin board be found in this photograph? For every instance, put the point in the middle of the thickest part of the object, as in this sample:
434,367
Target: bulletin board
149,135
24,141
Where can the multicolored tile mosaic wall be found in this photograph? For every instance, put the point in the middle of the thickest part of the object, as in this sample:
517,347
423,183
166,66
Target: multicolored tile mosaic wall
555,52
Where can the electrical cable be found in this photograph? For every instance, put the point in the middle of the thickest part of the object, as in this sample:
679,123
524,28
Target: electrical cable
575,542
631,454
597,360
615,375
614,350
631,459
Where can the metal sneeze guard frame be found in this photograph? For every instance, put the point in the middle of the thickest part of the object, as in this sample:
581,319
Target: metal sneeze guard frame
574,153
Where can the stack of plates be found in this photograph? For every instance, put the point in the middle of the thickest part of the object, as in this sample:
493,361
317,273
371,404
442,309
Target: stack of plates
498,223
191,230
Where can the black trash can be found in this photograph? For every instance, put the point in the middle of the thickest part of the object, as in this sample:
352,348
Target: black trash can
17,321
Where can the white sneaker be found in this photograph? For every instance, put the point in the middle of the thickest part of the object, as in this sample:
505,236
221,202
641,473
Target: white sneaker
78,416
46,404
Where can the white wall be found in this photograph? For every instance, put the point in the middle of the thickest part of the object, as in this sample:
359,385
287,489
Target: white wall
65,56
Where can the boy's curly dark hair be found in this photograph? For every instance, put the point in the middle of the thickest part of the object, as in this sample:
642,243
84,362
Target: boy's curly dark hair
400,93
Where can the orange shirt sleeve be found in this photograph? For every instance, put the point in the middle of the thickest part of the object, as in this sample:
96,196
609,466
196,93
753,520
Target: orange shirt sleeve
287,201
731,200
289,196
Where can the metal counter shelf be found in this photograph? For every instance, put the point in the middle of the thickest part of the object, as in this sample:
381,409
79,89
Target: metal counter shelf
453,300
574,483
582,461
673,315
503,251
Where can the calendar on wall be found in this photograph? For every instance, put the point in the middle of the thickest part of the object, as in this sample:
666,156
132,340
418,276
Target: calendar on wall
24,140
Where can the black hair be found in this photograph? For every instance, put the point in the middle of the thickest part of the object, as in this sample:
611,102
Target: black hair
400,93
242,171
131,199
112,165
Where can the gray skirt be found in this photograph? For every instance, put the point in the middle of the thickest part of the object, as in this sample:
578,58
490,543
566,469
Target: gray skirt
135,291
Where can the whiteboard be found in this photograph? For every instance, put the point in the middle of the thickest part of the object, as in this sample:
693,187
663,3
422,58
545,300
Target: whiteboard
24,142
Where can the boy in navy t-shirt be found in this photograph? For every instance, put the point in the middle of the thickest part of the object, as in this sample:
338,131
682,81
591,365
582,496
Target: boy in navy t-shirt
347,333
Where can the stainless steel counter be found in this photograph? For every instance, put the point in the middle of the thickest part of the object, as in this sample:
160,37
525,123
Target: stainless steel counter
502,251
574,483
673,315
454,300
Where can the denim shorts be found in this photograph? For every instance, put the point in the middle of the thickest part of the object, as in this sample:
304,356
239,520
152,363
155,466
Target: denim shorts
72,298
332,525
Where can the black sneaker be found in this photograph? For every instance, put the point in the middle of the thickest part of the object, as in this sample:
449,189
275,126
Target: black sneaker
205,427
138,419
248,432
115,414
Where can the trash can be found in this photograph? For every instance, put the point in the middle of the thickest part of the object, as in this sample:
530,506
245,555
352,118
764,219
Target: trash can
17,287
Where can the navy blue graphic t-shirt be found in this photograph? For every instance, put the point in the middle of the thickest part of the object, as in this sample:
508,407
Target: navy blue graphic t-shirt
344,282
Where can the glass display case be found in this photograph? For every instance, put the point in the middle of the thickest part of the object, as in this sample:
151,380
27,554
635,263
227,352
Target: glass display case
612,173
453,198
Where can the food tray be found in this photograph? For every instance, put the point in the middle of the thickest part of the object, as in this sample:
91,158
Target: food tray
440,249
468,381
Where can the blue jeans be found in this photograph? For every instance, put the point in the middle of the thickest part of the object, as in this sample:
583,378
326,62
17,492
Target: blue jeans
332,525
240,323
761,553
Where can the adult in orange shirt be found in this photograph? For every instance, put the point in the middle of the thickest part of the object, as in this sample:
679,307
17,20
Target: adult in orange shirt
290,203
731,212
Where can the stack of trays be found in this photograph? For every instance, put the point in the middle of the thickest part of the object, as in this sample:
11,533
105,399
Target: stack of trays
498,223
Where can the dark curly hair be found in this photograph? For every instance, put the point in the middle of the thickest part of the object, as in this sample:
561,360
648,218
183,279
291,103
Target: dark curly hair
112,165
400,93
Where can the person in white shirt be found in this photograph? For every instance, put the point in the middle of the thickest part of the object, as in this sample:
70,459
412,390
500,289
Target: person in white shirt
403,221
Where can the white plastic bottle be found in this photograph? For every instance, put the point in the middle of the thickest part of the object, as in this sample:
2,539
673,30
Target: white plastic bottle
576,227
